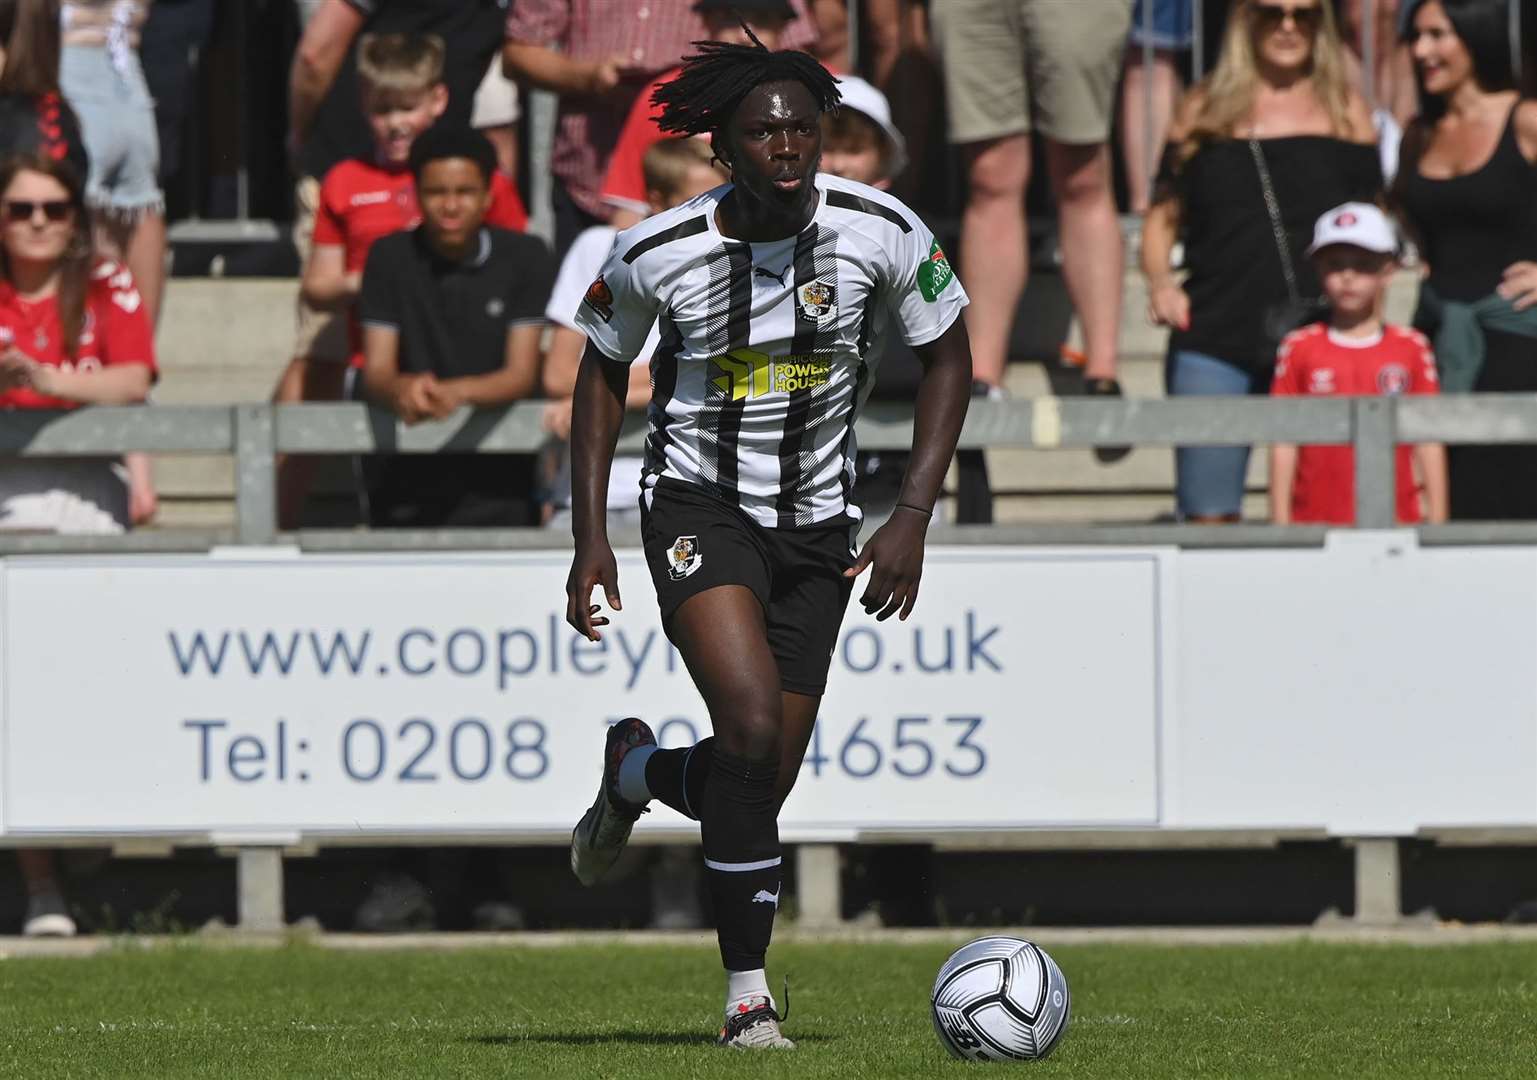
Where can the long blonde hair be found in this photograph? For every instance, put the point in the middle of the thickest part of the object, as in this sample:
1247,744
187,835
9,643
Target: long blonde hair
1229,92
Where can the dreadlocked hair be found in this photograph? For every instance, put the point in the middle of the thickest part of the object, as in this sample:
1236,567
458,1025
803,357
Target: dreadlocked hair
715,79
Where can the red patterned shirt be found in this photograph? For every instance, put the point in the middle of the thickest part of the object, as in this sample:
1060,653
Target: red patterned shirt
1316,362
651,35
116,331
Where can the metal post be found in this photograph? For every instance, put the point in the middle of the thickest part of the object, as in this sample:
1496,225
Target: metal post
543,115
1374,423
851,7
259,885
819,886
1377,881
256,506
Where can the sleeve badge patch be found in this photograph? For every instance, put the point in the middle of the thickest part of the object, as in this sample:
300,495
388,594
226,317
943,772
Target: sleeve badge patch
934,273
600,298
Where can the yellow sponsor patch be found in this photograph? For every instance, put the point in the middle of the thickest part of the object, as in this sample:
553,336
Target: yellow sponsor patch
748,373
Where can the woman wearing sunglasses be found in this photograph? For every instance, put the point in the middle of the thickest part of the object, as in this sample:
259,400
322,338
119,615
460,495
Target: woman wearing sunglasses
1468,188
1270,140
73,331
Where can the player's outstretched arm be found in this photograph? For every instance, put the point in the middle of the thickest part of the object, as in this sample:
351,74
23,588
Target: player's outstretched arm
597,410
895,552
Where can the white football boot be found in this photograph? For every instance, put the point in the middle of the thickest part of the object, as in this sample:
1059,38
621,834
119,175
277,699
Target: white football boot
754,1026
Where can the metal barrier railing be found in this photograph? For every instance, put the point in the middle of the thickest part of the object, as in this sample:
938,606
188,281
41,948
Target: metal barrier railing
256,434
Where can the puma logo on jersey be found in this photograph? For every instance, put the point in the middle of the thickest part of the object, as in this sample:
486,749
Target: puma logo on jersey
760,271
766,897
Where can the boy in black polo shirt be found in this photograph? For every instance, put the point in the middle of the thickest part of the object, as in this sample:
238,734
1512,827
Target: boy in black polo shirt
452,312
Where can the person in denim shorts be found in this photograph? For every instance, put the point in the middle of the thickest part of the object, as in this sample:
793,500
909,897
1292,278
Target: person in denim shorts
100,74
1169,27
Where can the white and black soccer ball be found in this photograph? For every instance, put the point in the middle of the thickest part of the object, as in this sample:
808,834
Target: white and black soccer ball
1000,999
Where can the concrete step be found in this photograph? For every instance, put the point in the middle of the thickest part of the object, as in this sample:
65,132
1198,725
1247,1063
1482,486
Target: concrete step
1101,509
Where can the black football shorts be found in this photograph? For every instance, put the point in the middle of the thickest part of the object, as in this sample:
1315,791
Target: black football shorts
695,541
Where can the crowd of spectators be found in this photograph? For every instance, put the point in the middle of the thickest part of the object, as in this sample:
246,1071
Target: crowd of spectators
421,290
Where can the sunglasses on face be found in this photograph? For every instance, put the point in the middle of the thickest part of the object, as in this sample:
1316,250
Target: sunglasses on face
1271,17
26,209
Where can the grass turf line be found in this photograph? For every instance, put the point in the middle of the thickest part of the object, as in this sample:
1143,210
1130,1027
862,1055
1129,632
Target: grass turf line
859,1012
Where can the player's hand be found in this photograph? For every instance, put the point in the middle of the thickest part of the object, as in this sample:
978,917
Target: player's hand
895,557
593,565
1520,285
413,402
1169,305
557,418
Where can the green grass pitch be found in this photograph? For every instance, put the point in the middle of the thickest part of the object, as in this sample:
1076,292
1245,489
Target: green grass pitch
859,1011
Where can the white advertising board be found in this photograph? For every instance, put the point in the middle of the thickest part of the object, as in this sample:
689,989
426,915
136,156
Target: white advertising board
445,693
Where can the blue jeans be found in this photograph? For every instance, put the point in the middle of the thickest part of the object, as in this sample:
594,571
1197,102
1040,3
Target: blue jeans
1208,480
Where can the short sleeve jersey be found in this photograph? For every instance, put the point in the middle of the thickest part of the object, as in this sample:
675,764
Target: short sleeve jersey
1316,362
361,202
768,350
116,331
583,262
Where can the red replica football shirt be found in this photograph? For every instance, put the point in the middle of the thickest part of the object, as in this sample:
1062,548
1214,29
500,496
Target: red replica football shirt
116,331
360,202
1315,361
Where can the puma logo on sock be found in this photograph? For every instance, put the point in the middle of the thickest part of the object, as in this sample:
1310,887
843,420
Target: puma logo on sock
766,897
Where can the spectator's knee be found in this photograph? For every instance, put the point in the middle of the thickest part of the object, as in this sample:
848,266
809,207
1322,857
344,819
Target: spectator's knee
1081,174
999,171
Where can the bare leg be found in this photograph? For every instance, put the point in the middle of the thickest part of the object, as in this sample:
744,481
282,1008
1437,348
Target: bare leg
505,139
1141,145
723,640
994,248
139,245
1093,256
37,870
800,717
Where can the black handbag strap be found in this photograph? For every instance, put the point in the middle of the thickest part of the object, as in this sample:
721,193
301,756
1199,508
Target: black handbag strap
1283,247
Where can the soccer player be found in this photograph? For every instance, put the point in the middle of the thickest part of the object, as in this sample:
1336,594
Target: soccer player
771,293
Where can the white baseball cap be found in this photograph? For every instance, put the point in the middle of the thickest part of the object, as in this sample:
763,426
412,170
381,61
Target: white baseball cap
1358,224
864,98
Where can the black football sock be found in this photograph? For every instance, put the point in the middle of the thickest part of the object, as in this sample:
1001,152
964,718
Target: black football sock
740,830
677,777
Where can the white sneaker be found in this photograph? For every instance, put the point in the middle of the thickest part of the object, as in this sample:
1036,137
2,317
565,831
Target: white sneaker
47,917
604,830
754,1026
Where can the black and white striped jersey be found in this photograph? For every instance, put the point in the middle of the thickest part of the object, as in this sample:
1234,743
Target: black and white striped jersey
768,351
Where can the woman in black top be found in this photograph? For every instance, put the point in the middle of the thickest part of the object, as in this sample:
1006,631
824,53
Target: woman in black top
1280,89
1468,188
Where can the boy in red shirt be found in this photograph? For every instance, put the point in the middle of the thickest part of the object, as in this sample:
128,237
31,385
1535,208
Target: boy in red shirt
1353,354
400,78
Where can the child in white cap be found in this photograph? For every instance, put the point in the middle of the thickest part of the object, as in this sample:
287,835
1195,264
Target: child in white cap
1353,353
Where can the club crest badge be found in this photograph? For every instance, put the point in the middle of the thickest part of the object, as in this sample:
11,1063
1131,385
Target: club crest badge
683,557
600,298
1393,379
817,301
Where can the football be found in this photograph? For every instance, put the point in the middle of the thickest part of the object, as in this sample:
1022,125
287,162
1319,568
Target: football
1000,999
